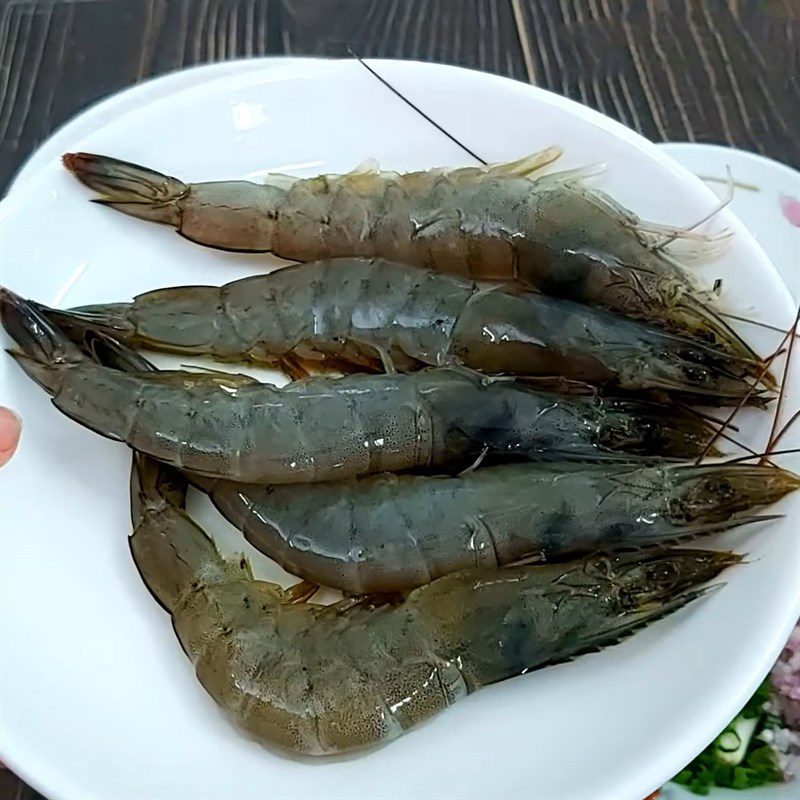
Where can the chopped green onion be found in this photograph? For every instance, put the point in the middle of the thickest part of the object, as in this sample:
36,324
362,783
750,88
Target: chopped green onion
738,758
740,733
729,742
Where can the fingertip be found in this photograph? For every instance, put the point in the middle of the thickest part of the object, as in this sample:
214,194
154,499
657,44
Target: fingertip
10,430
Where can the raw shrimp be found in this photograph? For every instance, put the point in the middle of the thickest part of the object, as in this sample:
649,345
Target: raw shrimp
318,680
489,223
367,313
390,533
322,429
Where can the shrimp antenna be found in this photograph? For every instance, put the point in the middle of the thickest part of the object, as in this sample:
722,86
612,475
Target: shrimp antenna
744,447
707,417
724,201
415,107
785,428
712,420
755,322
739,459
779,404
738,407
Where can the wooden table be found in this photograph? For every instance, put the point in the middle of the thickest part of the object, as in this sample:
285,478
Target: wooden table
724,71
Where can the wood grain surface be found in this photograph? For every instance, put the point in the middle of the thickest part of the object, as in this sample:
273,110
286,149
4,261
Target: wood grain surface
723,71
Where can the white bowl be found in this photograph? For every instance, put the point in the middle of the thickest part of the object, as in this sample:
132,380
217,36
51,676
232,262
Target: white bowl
98,701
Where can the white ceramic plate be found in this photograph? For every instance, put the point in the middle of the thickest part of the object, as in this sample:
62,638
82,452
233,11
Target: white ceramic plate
111,109
99,701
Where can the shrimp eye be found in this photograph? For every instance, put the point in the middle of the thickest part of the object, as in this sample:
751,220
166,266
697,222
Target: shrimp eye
720,488
661,573
697,375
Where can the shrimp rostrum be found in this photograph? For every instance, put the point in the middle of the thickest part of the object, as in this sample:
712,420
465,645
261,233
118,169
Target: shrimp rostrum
380,314
329,679
389,533
500,222
322,429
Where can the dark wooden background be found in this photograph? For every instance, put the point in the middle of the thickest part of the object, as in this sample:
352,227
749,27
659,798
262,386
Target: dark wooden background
724,71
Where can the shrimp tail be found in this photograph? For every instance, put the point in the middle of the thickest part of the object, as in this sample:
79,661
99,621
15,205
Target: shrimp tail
168,549
80,388
44,350
46,345
109,352
111,318
153,486
173,555
130,188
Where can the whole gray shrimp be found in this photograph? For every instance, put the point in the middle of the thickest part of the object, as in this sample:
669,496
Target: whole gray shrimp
322,429
329,679
488,223
389,533
369,313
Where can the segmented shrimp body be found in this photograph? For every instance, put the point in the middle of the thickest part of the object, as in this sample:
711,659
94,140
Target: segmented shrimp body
319,680
389,533
385,315
327,428
490,223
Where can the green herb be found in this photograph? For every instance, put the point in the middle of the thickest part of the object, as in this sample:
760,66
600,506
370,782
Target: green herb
736,759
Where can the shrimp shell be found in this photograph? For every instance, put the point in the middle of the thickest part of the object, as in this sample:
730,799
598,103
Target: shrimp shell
323,429
320,680
489,223
371,313
389,533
